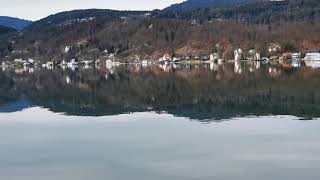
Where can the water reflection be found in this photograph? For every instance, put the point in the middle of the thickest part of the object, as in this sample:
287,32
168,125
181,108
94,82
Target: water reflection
204,92
313,64
37,144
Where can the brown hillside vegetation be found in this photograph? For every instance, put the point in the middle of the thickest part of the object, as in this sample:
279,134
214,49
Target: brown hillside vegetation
150,38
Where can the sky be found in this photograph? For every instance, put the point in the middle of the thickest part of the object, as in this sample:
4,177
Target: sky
38,9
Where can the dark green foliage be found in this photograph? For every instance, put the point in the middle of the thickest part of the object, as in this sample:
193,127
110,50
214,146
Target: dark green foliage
191,4
289,47
256,12
5,30
6,34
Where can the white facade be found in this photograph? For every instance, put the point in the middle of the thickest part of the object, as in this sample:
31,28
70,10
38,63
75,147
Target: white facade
67,49
296,55
312,57
238,54
214,56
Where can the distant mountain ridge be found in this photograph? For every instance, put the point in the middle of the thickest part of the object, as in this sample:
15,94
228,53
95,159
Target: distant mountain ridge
83,14
189,4
249,11
15,23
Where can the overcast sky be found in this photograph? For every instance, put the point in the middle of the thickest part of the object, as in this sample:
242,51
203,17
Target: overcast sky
37,9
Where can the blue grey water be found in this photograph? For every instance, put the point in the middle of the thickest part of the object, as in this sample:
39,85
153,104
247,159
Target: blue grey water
36,144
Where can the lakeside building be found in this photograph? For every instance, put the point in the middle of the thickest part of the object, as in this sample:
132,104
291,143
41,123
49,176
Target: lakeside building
214,56
238,54
313,56
165,57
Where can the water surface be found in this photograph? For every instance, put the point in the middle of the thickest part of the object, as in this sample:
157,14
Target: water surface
208,121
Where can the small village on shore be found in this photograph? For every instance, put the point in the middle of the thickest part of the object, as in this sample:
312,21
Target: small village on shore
276,56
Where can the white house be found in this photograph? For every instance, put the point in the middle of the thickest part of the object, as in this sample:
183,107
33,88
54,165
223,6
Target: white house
314,56
67,49
18,61
63,63
88,62
165,57
257,57
214,56
312,60
176,59
296,55
252,51
238,54
73,64
31,61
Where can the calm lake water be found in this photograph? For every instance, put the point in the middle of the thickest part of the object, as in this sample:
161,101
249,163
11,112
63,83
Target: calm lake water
243,121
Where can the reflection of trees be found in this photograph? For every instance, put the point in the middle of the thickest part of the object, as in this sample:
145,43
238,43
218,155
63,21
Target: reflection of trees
7,93
195,92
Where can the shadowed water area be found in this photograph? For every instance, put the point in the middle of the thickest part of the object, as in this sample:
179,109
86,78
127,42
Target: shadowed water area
237,120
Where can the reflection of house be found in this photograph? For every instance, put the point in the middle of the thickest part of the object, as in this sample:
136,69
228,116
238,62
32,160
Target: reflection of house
313,64
257,64
274,72
237,67
312,60
165,67
68,80
296,63
214,66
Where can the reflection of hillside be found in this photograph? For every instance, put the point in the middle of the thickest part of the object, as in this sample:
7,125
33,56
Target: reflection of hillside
15,106
195,92
7,93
